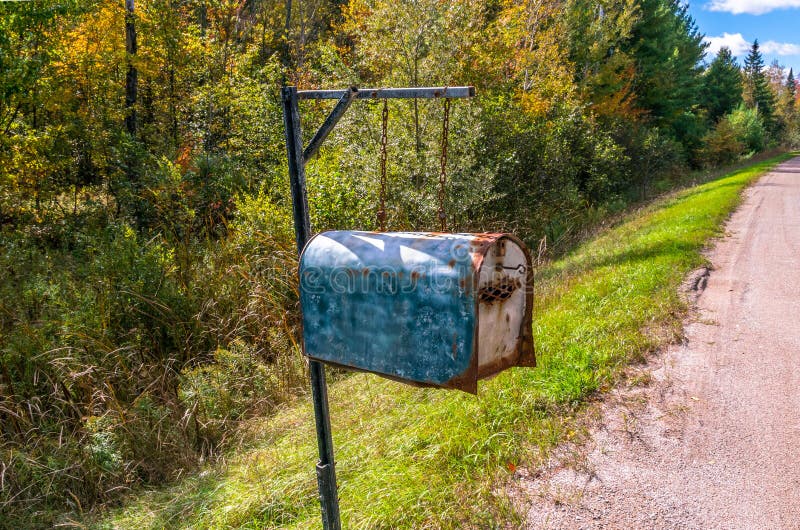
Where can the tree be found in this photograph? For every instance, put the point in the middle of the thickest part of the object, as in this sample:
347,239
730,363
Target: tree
785,91
668,49
757,93
722,85
132,76
604,72
792,136
410,43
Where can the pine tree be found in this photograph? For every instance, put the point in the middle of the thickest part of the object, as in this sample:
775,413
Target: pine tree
722,85
668,48
604,72
757,93
754,62
791,89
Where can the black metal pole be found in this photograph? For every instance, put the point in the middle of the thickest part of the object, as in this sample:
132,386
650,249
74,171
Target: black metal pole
450,92
326,471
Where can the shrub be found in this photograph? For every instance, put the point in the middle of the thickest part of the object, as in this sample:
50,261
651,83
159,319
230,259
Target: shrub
722,145
550,172
749,128
94,328
249,281
659,157
238,383
792,140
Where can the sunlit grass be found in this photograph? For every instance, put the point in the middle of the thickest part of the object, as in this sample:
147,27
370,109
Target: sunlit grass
418,458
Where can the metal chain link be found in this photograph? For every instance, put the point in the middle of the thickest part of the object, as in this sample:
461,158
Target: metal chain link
384,125
443,168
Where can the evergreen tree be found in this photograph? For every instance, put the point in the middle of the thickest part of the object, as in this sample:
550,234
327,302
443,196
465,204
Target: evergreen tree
668,48
757,93
722,85
754,62
791,89
604,73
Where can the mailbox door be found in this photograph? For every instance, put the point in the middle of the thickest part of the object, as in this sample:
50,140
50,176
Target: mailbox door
505,303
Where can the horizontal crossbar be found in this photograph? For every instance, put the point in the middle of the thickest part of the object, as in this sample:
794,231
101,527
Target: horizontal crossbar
393,93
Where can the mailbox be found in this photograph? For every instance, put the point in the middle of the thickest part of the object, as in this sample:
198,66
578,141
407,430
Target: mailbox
431,309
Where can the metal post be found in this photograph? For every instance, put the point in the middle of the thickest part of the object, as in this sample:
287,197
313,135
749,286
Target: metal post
326,471
297,169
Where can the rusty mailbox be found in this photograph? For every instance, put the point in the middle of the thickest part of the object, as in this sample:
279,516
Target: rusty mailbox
431,309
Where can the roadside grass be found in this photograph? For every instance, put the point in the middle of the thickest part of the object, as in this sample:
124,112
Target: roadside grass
421,458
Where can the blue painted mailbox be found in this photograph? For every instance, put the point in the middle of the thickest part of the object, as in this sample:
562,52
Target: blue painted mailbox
440,310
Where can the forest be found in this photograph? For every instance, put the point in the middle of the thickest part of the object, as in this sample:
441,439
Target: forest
148,290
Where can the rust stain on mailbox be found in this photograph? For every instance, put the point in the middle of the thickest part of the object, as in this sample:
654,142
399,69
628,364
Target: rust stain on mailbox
431,309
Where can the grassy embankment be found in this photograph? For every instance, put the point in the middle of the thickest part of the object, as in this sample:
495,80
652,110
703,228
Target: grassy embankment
418,458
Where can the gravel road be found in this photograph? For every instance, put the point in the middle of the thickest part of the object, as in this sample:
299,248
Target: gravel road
713,440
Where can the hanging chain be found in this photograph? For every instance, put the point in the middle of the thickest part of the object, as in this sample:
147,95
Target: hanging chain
443,168
384,124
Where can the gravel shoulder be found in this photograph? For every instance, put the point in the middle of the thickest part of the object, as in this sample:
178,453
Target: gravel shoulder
709,436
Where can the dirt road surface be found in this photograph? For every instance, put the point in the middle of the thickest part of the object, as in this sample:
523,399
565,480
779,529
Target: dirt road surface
713,441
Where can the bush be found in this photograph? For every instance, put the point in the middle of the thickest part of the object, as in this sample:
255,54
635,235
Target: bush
722,145
550,172
238,383
94,328
125,358
659,158
749,128
792,140
249,281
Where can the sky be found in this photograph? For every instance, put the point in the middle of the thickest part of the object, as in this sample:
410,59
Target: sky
736,23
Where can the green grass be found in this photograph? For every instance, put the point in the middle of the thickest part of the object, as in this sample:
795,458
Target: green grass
420,458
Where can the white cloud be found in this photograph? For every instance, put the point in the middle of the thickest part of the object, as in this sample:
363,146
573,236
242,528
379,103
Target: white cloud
780,48
733,41
737,44
750,7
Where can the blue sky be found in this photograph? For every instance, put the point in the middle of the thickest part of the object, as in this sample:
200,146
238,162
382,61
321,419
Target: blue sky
736,23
